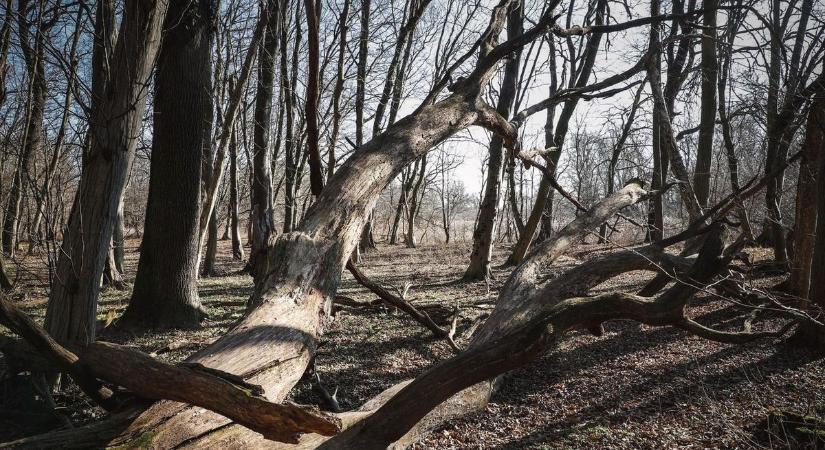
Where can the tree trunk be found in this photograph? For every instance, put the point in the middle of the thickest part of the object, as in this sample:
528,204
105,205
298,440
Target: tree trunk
512,199
407,179
262,217
234,216
116,117
338,89
5,281
816,292
727,135
479,267
313,16
414,204
119,239
776,149
367,239
707,121
112,277
165,294
291,146
535,223
579,79
211,254
807,207
45,191
32,138
361,78
668,142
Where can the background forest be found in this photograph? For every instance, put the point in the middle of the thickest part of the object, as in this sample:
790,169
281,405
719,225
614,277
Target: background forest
573,224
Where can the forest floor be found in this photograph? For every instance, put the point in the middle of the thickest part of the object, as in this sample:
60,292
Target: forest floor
634,387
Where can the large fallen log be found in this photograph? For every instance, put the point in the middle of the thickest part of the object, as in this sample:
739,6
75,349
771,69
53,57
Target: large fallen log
197,385
151,379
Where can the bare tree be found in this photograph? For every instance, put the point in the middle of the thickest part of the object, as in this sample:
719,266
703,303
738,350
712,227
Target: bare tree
479,265
166,292
115,119
33,54
262,216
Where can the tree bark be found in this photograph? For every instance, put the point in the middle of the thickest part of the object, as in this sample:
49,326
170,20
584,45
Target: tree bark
116,117
805,234
165,294
707,121
816,292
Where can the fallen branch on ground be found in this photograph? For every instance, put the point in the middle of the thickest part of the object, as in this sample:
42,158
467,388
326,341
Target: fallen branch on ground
402,304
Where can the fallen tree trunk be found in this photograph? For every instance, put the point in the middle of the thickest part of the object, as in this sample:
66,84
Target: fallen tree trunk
195,384
150,379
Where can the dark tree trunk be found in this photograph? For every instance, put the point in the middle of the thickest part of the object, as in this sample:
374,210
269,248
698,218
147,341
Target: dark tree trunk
316,176
807,207
655,218
367,239
262,217
211,253
291,145
512,198
234,217
627,128
166,290
361,79
116,117
112,277
479,267
407,179
707,122
816,292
